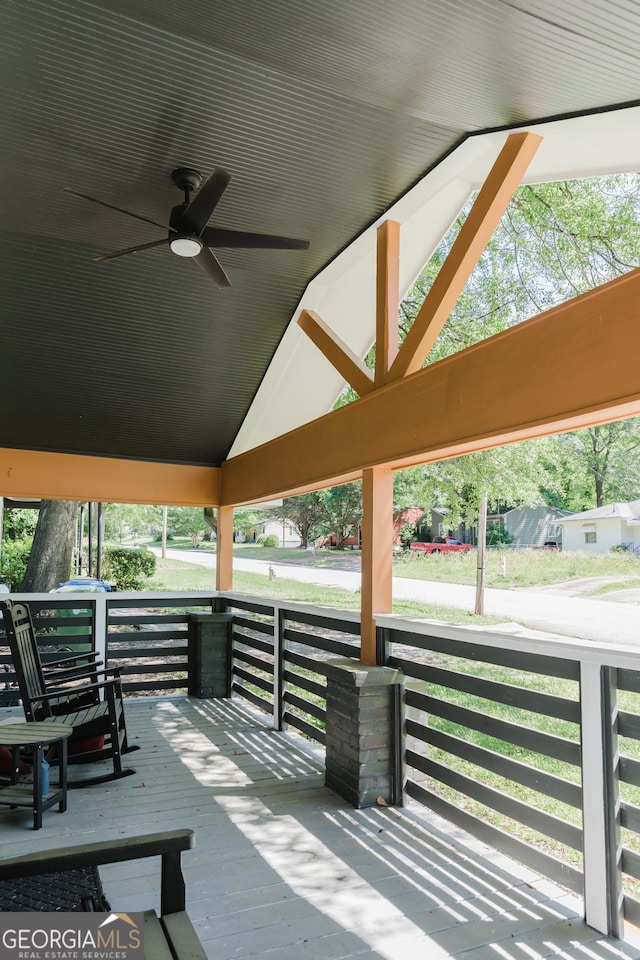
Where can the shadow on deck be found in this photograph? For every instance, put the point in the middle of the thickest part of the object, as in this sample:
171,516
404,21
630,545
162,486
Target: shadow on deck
285,869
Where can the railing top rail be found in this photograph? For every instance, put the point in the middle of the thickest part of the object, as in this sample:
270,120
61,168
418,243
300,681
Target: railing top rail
333,613
513,637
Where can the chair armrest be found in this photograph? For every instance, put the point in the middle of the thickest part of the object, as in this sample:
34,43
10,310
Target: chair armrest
71,659
168,845
63,693
78,673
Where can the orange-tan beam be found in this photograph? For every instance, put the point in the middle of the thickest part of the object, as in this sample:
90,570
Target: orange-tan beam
224,549
573,366
337,352
377,554
387,298
490,204
57,476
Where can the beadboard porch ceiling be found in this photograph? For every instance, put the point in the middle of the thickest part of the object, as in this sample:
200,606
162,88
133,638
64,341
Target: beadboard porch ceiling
327,117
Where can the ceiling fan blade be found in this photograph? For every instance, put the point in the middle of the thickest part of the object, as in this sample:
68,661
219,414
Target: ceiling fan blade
212,267
196,216
110,206
219,237
136,249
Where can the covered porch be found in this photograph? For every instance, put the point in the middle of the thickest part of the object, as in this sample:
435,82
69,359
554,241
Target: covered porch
364,128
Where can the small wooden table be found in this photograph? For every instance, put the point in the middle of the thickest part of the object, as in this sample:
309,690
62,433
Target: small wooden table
35,736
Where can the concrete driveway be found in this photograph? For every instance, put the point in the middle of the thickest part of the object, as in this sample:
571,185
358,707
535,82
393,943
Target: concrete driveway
606,621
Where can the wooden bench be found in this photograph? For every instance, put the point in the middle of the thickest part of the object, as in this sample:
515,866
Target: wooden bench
169,936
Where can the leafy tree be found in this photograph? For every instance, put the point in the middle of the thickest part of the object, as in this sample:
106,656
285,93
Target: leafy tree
187,522
245,519
126,520
410,488
344,510
305,512
19,524
600,464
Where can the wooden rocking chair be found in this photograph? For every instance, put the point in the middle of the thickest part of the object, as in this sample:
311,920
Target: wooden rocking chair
78,705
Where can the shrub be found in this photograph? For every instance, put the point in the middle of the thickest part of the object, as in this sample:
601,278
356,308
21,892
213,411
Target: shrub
407,534
13,561
268,540
127,569
496,533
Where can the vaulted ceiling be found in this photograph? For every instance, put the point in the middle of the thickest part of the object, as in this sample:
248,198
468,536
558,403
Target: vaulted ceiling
326,116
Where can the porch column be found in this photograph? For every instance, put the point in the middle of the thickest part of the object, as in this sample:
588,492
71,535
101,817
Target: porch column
601,799
364,733
224,549
377,554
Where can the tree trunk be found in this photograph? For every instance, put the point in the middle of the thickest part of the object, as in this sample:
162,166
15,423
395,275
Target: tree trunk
303,530
52,551
482,545
164,532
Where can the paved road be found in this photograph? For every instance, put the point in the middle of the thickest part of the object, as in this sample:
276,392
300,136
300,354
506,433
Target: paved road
605,621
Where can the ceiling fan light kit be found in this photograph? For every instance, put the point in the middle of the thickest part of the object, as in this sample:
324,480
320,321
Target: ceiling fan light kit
188,236
185,246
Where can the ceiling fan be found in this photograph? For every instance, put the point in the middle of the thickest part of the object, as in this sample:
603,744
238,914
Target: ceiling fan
189,236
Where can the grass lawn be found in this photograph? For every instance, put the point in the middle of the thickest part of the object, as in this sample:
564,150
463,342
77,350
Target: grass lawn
176,575
505,568
523,568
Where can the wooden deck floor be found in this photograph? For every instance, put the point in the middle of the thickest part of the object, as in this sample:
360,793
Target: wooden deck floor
284,869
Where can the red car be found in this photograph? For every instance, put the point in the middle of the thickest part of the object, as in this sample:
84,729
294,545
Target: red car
441,545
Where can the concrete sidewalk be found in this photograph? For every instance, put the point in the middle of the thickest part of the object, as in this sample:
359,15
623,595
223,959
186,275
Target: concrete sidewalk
604,621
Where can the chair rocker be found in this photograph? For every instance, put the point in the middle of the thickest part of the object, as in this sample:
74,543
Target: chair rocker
78,706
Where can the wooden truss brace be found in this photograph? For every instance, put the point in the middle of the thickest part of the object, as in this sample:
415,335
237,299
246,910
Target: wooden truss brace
393,363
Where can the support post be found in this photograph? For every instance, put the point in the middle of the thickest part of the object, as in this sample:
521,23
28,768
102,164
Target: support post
377,554
387,297
364,706
224,549
209,637
279,684
101,626
602,848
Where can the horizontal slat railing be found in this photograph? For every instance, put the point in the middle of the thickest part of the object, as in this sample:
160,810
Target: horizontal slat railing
628,729
309,640
280,655
147,638
493,743
253,658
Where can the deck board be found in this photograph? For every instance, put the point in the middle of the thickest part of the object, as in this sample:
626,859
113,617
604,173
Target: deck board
285,870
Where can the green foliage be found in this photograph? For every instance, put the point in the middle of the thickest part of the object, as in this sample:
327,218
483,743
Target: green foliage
19,524
245,519
496,533
127,569
125,521
187,522
407,534
267,540
13,561
344,510
307,513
